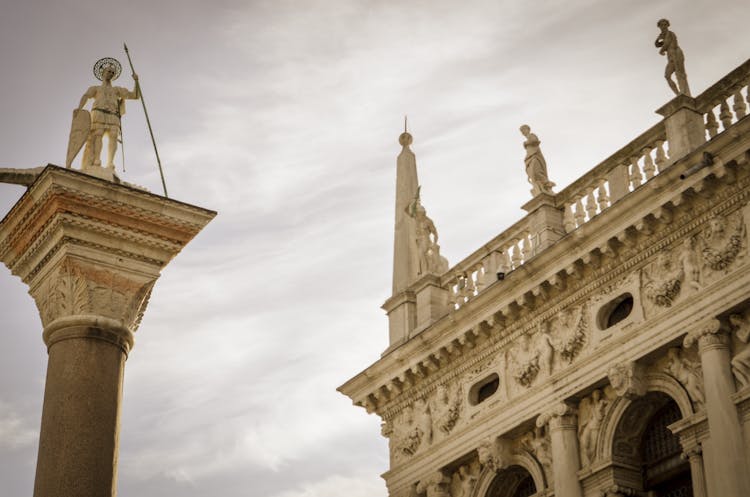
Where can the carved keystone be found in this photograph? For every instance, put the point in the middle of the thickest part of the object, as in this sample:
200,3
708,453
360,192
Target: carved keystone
627,379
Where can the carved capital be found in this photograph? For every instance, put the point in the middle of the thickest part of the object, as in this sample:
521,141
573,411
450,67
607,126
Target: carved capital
709,335
628,379
75,288
618,491
561,416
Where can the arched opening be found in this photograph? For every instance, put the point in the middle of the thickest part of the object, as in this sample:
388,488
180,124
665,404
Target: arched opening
514,481
665,473
643,441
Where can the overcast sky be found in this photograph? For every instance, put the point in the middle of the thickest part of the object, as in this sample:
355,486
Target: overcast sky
284,116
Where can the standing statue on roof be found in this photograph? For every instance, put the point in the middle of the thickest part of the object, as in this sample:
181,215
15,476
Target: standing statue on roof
104,118
666,42
430,260
536,166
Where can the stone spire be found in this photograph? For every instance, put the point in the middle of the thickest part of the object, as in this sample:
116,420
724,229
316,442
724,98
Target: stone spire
405,257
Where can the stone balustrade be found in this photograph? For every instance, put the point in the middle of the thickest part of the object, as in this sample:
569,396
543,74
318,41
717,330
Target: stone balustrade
725,102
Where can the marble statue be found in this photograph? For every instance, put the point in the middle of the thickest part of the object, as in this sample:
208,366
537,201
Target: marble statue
687,373
104,118
536,166
666,42
430,260
740,324
588,429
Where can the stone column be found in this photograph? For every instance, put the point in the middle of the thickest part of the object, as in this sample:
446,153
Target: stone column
695,457
723,422
563,427
90,251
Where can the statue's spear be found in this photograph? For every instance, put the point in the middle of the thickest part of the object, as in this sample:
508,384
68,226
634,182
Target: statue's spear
151,132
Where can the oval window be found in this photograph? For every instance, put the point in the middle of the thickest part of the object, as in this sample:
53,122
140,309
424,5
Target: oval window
615,311
482,390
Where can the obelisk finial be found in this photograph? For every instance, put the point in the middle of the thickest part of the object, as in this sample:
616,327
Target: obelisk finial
405,139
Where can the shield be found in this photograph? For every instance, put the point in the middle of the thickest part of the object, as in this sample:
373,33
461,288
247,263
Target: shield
79,131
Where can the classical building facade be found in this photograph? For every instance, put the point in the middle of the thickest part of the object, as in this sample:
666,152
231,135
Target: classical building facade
596,348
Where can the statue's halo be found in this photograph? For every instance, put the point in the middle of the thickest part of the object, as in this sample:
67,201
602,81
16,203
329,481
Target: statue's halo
107,61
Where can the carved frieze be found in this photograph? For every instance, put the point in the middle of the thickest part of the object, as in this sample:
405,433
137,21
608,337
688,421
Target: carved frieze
445,408
568,332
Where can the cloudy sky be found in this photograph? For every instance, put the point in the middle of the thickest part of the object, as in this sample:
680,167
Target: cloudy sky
284,116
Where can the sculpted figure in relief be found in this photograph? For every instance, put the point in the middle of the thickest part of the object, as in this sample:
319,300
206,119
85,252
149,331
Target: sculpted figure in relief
467,480
666,42
538,443
688,259
536,166
723,241
445,409
592,411
687,373
741,361
430,260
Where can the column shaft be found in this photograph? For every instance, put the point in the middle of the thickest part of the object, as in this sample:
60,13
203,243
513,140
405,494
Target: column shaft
78,441
565,456
723,420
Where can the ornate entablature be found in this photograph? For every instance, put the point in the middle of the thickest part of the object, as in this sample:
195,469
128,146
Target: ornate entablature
634,283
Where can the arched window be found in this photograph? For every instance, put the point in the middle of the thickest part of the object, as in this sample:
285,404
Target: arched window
664,471
514,481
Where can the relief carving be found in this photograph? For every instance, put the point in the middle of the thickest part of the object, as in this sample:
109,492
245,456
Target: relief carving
568,332
494,453
464,480
411,430
591,410
523,363
74,288
662,280
723,241
627,379
445,409
687,372
740,324
537,442
435,485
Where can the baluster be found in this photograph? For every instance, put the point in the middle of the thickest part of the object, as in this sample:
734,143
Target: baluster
579,215
528,247
635,173
603,198
515,258
469,289
740,109
661,157
505,266
711,125
648,164
568,223
591,204
725,115
453,292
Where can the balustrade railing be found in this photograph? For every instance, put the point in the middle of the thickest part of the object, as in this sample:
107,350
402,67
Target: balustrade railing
626,170
725,102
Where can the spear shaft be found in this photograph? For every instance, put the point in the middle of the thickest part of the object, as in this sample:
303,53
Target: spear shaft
148,121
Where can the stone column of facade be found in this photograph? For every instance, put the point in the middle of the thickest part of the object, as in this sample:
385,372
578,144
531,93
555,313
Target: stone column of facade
563,428
731,476
695,457
90,251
